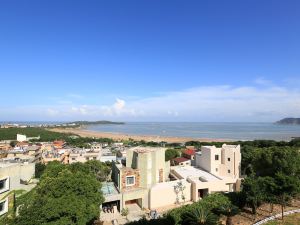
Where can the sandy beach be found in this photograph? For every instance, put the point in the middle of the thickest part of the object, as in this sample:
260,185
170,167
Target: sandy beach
118,136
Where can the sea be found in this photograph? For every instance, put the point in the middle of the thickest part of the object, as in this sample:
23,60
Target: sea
231,131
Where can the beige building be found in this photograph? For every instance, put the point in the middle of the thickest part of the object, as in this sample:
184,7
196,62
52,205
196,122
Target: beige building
148,181
145,167
33,152
83,155
224,161
14,175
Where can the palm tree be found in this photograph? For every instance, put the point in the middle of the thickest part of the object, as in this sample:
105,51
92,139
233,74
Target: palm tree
199,216
229,211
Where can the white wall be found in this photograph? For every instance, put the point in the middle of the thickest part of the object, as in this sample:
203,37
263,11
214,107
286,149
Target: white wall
163,194
21,137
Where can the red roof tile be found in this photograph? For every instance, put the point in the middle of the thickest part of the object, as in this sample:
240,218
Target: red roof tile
180,159
189,152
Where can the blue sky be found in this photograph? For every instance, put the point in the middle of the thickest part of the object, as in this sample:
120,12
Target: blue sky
149,60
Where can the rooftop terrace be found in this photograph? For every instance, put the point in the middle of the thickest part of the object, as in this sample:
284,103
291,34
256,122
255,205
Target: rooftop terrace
192,172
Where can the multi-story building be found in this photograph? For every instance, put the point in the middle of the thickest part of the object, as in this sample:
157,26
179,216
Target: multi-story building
224,161
84,155
14,175
145,167
148,181
33,151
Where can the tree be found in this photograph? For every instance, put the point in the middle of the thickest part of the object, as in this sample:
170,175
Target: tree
53,169
286,187
99,169
39,169
251,188
269,161
199,216
229,211
67,198
171,154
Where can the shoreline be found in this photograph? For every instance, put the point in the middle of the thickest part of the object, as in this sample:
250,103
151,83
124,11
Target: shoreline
121,136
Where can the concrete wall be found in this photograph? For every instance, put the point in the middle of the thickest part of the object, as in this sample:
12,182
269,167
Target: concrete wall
139,194
215,186
228,163
21,137
151,164
14,173
163,194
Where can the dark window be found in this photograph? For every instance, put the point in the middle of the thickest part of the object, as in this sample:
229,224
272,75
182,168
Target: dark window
2,206
216,157
228,159
94,158
2,184
130,180
228,171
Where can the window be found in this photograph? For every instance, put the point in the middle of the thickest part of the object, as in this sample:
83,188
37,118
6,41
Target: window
87,158
130,180
216,157
73,158
94,158
228,171
216,169
4,185
228,159
3,206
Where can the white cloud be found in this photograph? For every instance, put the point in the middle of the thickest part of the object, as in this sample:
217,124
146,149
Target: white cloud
207,103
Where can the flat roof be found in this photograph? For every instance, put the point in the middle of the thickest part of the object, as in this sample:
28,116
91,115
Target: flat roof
108,188
192,172
141,149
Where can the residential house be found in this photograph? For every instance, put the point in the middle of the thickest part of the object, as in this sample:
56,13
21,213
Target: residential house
14,175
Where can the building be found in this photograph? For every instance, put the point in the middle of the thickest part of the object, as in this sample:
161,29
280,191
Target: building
5,145
51,154
189,153
149,182
84,155
21,138
24,138
145,167
224,161
107,155
14,175
33,151
59,144
181,161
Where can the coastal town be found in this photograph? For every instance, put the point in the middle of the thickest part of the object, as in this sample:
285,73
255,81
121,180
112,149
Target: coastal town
136,112
140,180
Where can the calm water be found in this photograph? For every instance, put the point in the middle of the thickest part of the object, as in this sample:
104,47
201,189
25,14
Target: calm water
234,131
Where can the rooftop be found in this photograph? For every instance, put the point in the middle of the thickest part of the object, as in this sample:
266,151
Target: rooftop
6,162
108,188
145,149
192,172
180,159
189,152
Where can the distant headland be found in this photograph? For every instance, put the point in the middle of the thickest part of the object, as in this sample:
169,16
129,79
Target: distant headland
289,121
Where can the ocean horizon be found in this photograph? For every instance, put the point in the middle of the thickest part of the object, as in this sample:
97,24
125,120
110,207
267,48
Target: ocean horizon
211,130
